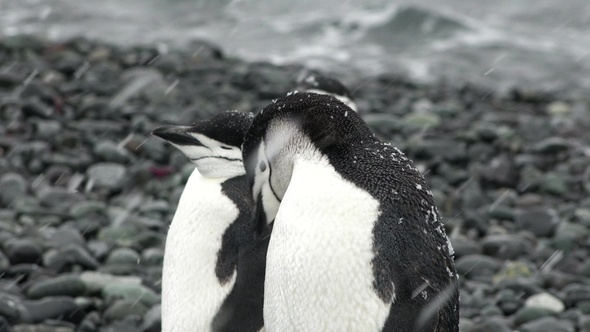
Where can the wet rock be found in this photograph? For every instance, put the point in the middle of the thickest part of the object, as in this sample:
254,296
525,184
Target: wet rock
124,308
123,256
547,324
58,197
477,265
73,254
152,256
554,183
423,121
552,145
13,186
108,175
23,251
506,246
539,221
152,320
501,170
65,236
109,151
41,328
59,286
132,292
96,281
545,301
143,82
8,80
527,314
53,307
464,247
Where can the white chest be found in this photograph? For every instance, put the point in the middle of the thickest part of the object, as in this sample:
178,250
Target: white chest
191,292
319,274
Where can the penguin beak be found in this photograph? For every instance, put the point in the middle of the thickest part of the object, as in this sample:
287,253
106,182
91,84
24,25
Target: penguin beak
176,135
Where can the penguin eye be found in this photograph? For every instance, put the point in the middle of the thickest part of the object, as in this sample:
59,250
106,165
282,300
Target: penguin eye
225,147
262,166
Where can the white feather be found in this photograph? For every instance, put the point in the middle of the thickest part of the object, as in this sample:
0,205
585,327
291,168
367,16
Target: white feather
191,292
319,274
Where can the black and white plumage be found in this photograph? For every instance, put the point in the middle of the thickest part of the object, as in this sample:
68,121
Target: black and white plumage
318,83
213,273
357,242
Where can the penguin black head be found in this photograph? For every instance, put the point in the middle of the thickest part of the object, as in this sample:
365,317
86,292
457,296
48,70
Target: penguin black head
213,145
300,123
319,83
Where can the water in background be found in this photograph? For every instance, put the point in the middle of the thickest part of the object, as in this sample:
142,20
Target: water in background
533,44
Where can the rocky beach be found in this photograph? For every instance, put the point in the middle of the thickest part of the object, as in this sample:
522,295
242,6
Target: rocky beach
87,194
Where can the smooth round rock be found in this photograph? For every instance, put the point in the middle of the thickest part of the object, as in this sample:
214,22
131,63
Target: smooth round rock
13,186
131,292
96,281
545,301
124,308
108,175
123,256
59,286
477,265
539,221
23,251
547,324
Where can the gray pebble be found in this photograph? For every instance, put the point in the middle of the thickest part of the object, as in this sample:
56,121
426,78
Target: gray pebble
133,292
506,246
96,281
108,175
123,256
152,320
58,197
539,221
124,308
464,247
66,285
52,307
547,324
477,265
152,256
110,151
72,254
23,251
13,186
551,145
65,236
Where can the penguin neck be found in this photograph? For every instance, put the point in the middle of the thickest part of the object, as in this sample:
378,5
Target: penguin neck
219,168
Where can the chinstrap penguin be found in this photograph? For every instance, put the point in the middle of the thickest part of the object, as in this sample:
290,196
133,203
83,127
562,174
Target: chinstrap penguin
357,242
318,83
214,260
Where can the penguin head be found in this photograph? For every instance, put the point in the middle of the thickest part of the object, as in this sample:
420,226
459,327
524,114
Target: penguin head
300,125
318,83
213,145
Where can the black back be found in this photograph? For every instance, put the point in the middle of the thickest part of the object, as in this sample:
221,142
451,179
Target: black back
243,250
410,244
317,81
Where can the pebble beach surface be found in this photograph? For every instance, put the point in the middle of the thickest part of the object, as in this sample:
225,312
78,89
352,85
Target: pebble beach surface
86,194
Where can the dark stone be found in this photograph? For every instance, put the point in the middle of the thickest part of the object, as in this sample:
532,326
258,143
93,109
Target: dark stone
477,265
54,307
547,324
506,246
539,221
62,258
59,286
23,251
501,171
152,320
